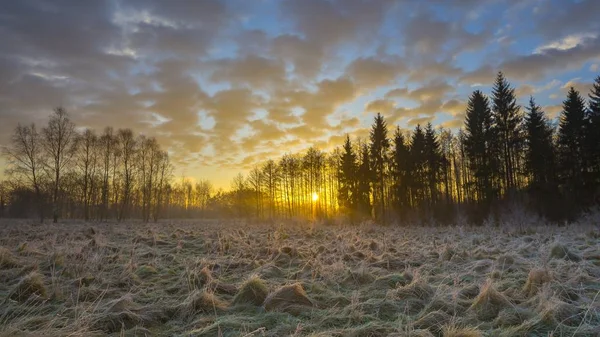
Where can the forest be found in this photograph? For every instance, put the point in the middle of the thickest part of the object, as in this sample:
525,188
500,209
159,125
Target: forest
506,163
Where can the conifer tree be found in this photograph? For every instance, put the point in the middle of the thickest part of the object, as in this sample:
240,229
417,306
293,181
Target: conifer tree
418,166
571,147
364,181
348,194
401,173
479,138
539,156
593,135
433,162
508,121
378,148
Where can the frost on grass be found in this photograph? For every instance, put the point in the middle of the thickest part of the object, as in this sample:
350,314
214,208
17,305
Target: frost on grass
30,285
209,278
254,291
289,298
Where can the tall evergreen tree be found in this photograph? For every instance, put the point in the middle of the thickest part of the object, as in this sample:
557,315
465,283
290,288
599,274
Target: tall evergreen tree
347,173
479,141
418,163
364,181
378,148
508,121
571,146
433,162
593,136
401,173
539,156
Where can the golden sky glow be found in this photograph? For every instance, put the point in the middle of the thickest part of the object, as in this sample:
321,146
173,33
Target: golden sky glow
224,85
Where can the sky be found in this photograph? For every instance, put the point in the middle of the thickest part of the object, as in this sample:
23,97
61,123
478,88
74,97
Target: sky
225,85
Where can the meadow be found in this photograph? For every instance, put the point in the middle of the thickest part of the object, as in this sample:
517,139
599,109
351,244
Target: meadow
216,278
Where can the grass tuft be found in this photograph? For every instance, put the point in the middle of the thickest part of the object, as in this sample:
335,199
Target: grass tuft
418,288
454,331
7,259
560,251
254,291
31,284
536,278
433,321
489,303
289,298
201,302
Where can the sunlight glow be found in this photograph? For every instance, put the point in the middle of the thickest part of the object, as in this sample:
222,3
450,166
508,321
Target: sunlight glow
315,197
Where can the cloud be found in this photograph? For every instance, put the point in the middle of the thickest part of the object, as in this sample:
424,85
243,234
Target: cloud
566,43
252,70
227,83
583,87
385,106
369,73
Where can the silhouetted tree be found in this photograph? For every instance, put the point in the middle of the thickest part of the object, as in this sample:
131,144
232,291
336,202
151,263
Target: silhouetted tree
271,174
401,173
479,141
571,147
128,148
539,156
348,182
26,161
364,181
86,159
418,166
378,149
593,137
106,144
59,143
508,122
433,159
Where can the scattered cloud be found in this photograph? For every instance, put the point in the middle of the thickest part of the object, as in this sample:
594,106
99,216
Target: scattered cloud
227,83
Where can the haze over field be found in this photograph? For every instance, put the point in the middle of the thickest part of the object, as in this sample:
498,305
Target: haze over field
397,168
226,85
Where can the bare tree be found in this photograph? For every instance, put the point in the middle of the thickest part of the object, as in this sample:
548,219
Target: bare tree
59,145
3,197
26,161
149,155
128,147
163,173
106,146
203,190
87,159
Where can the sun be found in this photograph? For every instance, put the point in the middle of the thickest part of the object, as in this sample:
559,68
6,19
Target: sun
315,196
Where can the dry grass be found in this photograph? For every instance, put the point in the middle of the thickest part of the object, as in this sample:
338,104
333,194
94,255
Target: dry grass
215,279
289,298
254,291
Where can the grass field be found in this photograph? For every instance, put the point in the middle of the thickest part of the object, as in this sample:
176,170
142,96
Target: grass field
237,279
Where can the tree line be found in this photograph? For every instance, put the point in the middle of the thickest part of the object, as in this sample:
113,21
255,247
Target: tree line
504,159
65,173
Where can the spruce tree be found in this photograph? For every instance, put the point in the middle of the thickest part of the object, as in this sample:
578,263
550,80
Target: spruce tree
401,173
479,142
433,162
364,182
378,147
539,156
571,146
418,166
593,136
508,121
348,194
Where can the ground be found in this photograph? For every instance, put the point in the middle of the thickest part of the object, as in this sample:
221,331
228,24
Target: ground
215,278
